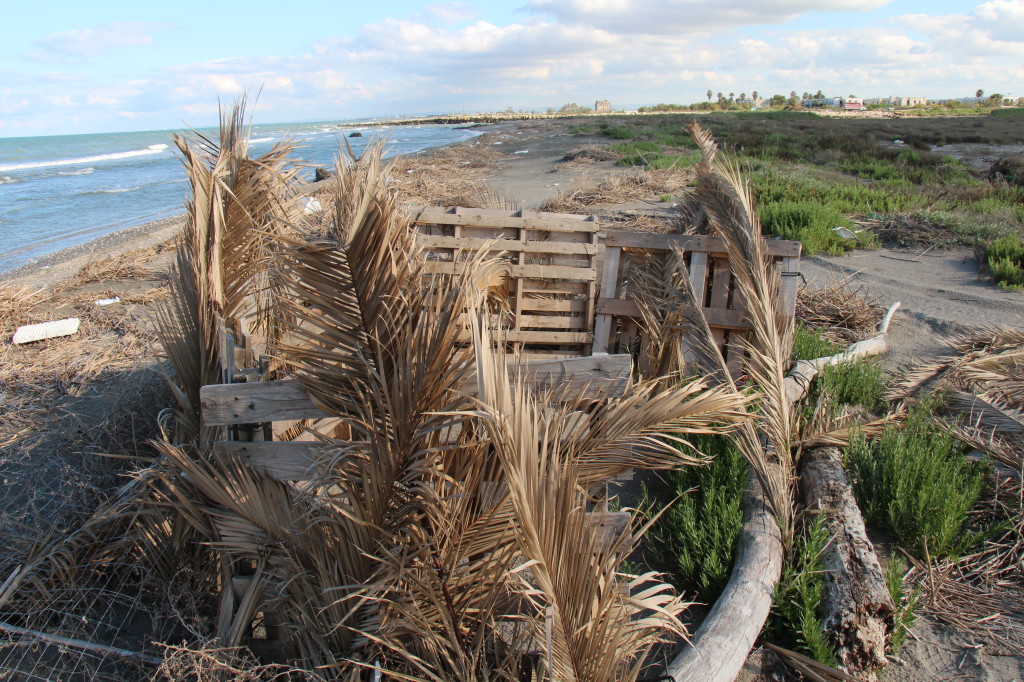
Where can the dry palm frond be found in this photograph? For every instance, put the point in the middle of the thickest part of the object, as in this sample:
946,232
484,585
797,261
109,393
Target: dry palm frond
597,624
727,201
237,207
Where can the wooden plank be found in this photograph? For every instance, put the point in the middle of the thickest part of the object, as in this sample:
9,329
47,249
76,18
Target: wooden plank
789,269
716,317
519,271
528,246
609,291
554,222
734,352
720,280
279,460
611,372
550,322
553,305
779,248
543,286
262,401
699,275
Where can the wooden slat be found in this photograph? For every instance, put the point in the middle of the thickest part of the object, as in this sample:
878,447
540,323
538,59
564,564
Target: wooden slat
789,269
646,240
262,401
553,305
720,280
726,319
475,244
268,401
611,372
550,322
609,291
543,286
699,275
519,271
279,460
552,222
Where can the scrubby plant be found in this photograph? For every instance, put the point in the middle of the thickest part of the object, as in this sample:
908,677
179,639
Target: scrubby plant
808,343
1005,260
858,382
694,539
915,482
812,224
905,601
795,621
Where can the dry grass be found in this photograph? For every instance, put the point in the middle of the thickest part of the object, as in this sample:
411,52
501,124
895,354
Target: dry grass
587,156
908,230
122,266
841,312
619,187
450,176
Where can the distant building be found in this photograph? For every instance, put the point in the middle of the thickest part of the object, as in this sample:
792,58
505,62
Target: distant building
602,106
821,102
911,101
853,104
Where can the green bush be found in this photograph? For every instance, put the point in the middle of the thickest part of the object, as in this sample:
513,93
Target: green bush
1007,113
795,621
809,345
916,482
635,147
1005,260
906,603
694,540
872,169
673,161
860,382
619,132
811,224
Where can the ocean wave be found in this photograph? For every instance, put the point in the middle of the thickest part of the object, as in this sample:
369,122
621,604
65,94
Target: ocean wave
261,139
8,180
110,190
80,171
151,149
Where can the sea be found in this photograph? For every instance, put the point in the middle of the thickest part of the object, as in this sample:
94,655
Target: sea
61,191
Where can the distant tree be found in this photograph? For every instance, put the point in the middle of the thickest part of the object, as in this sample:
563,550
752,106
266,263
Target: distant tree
732,97
743,97
720,98
819,95
777,100
996,99
980,93
753,96
806,95
793,99
709,96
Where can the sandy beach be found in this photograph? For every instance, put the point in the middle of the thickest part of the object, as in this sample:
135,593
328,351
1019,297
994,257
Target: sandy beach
108,386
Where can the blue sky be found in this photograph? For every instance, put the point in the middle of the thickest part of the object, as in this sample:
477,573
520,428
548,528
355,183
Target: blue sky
75,67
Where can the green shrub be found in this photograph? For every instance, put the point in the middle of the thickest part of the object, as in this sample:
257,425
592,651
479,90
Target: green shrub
810,223
673,161
795,621
580,129
635,147
872,169
619,132
906,603
694,540
808,344
860,382
1007,113
1005,260
916,482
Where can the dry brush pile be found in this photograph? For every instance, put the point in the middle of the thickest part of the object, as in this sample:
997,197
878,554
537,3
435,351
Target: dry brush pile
450,535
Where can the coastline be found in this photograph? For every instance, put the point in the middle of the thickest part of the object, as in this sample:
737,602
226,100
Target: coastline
48,269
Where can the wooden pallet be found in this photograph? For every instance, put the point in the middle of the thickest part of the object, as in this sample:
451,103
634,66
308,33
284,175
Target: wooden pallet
552,267
708,263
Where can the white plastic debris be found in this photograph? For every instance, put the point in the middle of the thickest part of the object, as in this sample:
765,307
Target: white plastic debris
46,330
108,301
844,233
522,151
310,205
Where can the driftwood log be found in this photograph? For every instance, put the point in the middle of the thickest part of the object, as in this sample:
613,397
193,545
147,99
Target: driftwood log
858,610
724,640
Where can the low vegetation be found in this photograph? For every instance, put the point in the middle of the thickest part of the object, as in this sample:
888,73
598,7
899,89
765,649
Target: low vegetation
915,482
813,174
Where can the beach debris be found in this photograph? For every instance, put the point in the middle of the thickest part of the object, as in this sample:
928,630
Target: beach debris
522,151
321,174
109,301
844,232
46,330
310,205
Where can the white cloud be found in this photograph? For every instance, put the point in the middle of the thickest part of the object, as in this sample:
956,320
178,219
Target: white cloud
81,44
653,17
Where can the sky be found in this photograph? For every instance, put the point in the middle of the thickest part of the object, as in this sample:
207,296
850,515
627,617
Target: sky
68,66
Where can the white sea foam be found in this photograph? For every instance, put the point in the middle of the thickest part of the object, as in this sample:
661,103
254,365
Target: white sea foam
112,190
7,180
151,149
80,171
261,139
